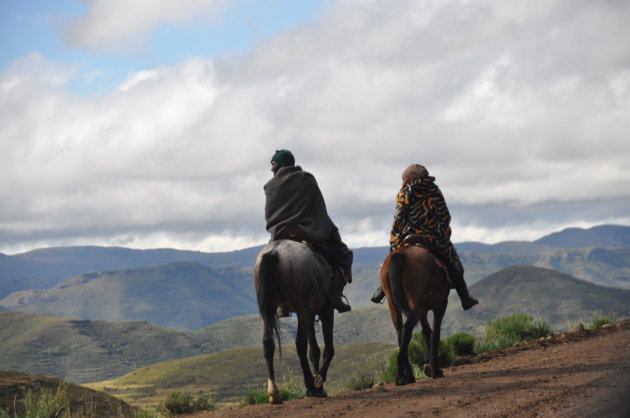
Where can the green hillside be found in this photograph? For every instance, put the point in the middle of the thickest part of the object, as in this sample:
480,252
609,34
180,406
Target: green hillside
228,375
546,294
179,295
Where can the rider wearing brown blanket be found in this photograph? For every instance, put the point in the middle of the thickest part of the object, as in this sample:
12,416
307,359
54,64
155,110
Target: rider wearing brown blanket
421,209
293,199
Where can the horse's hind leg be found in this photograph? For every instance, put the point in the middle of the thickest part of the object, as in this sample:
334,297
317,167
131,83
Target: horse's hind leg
269,348
305,323
329,349
438,314
404,374
314,353
426,334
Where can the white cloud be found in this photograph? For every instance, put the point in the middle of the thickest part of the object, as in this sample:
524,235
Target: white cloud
506,105
36,67
127,24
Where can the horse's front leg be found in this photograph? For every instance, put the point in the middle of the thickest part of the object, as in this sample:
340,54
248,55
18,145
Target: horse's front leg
269,348
327,320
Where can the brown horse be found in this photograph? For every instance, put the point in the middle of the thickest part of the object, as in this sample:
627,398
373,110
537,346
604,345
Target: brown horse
290,273
415,284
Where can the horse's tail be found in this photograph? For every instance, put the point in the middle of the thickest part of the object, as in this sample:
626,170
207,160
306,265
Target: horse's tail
397,264
268,273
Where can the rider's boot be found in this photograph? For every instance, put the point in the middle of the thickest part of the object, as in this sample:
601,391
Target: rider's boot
462,291
340,277
378,295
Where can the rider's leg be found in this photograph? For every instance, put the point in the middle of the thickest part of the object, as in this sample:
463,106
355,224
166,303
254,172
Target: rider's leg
340,277
462,290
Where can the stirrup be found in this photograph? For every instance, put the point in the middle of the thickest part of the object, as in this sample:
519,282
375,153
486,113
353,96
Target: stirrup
340,306
378,297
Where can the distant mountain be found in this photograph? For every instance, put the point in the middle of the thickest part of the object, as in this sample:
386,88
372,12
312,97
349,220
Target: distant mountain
180,295
608,236
45,268
520,248
603,266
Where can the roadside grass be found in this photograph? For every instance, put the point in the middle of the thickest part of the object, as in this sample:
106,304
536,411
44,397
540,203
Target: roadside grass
290,387
178,403
49,402
509,330
501,333
599,320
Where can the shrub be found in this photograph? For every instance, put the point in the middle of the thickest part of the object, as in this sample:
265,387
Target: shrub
144,413
601,320
184,403
388,373
46,402
446,352
511,329
361,380
463,344
256,397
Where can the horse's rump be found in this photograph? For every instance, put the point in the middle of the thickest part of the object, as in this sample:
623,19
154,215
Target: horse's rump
413,278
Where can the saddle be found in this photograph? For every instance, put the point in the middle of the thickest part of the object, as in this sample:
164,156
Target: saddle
294,233
421,241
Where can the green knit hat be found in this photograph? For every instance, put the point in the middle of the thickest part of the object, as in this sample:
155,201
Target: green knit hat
283,158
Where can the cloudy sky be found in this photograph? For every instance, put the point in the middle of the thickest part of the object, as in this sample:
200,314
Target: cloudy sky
151,123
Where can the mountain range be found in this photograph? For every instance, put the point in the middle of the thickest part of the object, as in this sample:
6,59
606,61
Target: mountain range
195,290
85,350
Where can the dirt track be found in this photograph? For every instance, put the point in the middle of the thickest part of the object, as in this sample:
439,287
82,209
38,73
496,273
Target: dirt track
578,374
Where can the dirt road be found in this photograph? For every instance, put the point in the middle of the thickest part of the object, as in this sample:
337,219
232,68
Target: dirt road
578,374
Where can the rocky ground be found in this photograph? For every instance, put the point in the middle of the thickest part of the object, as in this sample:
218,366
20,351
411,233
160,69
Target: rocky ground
585,373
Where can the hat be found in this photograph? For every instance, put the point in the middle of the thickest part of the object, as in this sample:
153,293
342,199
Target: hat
416,172
283,158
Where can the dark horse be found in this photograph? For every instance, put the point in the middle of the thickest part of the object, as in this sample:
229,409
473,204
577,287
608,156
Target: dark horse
290,273
415,284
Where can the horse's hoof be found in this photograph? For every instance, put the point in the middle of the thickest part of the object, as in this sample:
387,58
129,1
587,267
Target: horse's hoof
426,369
438,374
319,381
316,393
275,400
401,382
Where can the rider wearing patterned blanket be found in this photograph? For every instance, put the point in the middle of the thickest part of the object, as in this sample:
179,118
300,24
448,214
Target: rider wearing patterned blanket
421,209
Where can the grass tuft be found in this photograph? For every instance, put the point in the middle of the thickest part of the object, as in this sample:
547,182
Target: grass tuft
463,344
184,403
363,379
417,351
509,330
289,389
600,320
